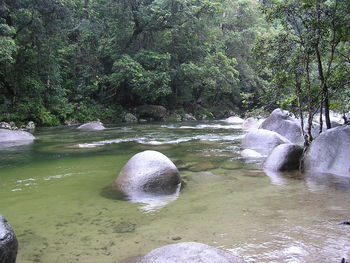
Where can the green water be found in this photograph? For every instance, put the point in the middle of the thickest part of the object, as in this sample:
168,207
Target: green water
53,192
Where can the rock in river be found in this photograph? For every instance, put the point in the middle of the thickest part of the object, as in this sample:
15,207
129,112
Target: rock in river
148,171
92,126
285,157
189,252
263,141
8,242
330,152
11,136
280,122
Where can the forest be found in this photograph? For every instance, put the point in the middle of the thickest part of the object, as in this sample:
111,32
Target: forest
80,60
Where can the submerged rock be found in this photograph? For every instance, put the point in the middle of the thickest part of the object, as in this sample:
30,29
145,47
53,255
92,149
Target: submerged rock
148,171
12,136
330,152
92,126
263,141
189,252
280,122
8,242
284,157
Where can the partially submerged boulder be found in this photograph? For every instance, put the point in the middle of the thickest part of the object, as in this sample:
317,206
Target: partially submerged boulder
284,157
148,171
189,252
92,126
151,112
280,122
263,141
12,136
330,152
8,242
249,153
234,120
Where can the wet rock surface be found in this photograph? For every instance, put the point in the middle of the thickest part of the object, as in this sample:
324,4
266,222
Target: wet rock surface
189,252
8,242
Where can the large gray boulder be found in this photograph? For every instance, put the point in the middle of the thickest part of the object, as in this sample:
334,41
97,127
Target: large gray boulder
129,117
284,157
148,171
8,242
263,141
280,122
189,252
92,126
14,136
330,152
151,112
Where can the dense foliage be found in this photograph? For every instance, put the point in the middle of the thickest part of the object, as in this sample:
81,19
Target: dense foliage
81,60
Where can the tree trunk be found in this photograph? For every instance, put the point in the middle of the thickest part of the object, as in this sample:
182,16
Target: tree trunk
324,88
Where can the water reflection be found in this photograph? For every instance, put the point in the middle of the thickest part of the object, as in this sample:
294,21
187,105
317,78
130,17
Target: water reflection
323,181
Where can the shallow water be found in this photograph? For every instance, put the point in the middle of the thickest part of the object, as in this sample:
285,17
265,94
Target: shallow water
54,193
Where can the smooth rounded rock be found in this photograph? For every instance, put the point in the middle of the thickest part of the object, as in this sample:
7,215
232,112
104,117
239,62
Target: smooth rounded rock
12,136
263,141
189,252
280,122
250,123
148,171
330,152
284,157
129,117
249,153
92,126
8,242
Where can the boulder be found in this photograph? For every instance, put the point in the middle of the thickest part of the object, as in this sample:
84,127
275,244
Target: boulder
188,117
263,141
284,157
8,242
148,171
249,153
12,136
30,125
280,122
92,126
250,123
189,252
234,120
330,152
151,112
129,117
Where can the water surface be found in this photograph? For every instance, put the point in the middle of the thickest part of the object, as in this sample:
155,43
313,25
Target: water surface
54,192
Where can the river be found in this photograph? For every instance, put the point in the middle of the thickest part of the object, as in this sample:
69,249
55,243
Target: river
55,193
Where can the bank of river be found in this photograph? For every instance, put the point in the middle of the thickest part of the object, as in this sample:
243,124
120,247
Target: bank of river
55,194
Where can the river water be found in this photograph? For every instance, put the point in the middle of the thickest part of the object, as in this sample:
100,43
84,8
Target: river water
55,193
